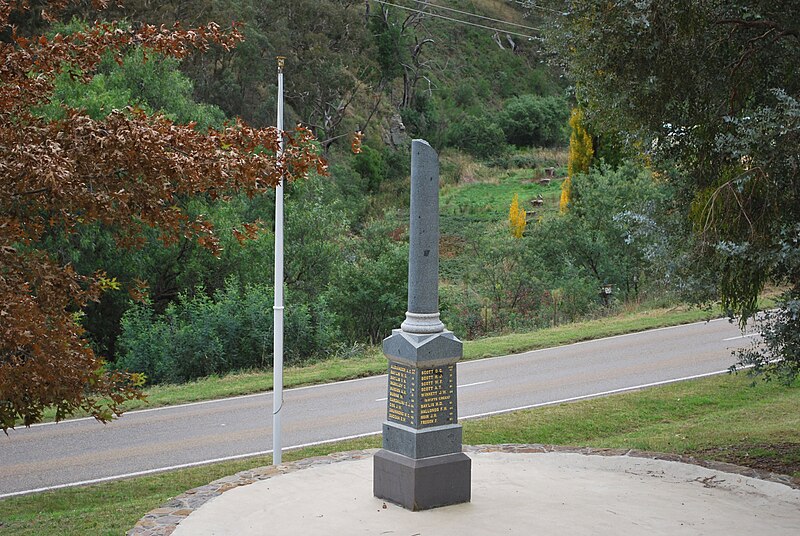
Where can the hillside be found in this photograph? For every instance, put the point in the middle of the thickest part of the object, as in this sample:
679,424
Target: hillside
360,65
486,99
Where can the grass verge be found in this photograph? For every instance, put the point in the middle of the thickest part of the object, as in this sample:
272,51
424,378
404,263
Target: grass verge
723,418
372,361
584,331
727,418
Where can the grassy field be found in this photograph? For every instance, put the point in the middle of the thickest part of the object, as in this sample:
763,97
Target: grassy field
723,418
490,200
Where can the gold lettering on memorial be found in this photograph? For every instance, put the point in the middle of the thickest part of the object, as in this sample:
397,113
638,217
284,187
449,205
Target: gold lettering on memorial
421,397
437,396
402,391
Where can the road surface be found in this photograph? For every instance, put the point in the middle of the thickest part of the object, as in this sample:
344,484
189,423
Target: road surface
50,456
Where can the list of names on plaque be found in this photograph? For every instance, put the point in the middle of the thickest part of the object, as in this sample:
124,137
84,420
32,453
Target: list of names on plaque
437,400
402,394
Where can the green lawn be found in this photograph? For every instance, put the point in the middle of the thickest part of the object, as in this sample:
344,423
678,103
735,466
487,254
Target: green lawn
491,200
722,418
684,418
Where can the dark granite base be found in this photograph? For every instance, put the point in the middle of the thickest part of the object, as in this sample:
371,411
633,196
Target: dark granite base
424,483
424,443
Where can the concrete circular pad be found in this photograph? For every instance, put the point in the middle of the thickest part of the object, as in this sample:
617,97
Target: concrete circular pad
552,494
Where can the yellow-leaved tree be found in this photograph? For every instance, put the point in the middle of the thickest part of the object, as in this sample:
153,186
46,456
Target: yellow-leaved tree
516,218
581,153
566,195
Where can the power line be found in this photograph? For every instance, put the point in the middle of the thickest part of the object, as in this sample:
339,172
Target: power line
459,20
529,4
443,8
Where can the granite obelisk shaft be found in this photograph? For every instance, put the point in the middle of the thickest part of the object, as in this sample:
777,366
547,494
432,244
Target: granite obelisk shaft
423,235
421,465
423,248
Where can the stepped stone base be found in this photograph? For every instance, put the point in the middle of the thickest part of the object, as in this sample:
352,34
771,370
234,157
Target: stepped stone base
424,483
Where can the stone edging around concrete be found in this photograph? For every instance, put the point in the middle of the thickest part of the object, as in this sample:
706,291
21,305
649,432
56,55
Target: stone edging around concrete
164,520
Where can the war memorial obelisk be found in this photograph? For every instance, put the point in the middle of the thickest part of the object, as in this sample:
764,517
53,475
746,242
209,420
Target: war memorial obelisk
421,465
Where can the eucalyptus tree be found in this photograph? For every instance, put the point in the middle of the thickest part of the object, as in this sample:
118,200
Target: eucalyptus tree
708,89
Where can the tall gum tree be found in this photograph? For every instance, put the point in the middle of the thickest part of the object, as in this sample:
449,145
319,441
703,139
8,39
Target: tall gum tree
127,172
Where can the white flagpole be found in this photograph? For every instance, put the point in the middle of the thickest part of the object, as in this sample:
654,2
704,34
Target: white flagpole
277,331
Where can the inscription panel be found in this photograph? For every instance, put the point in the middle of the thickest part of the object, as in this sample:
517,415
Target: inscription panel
421,398
437,396
402,394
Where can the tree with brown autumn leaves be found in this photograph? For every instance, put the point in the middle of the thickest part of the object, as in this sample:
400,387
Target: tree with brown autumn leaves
128,172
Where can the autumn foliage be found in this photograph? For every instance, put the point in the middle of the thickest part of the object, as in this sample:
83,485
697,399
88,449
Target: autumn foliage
127,172
516,218
566,195
581,153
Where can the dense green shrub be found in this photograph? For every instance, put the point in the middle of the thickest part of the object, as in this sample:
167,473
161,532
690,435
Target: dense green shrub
200,335
478,136
464,95
369,163
424,118
350,188
390,49
502,287
154,84
617,231
369,292
531,120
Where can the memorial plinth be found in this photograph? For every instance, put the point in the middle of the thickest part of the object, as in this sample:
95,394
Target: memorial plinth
421,465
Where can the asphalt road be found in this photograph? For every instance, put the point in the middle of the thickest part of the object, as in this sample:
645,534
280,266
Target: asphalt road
80,451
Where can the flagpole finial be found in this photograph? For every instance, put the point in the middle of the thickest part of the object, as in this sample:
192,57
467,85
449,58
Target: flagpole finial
281,61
